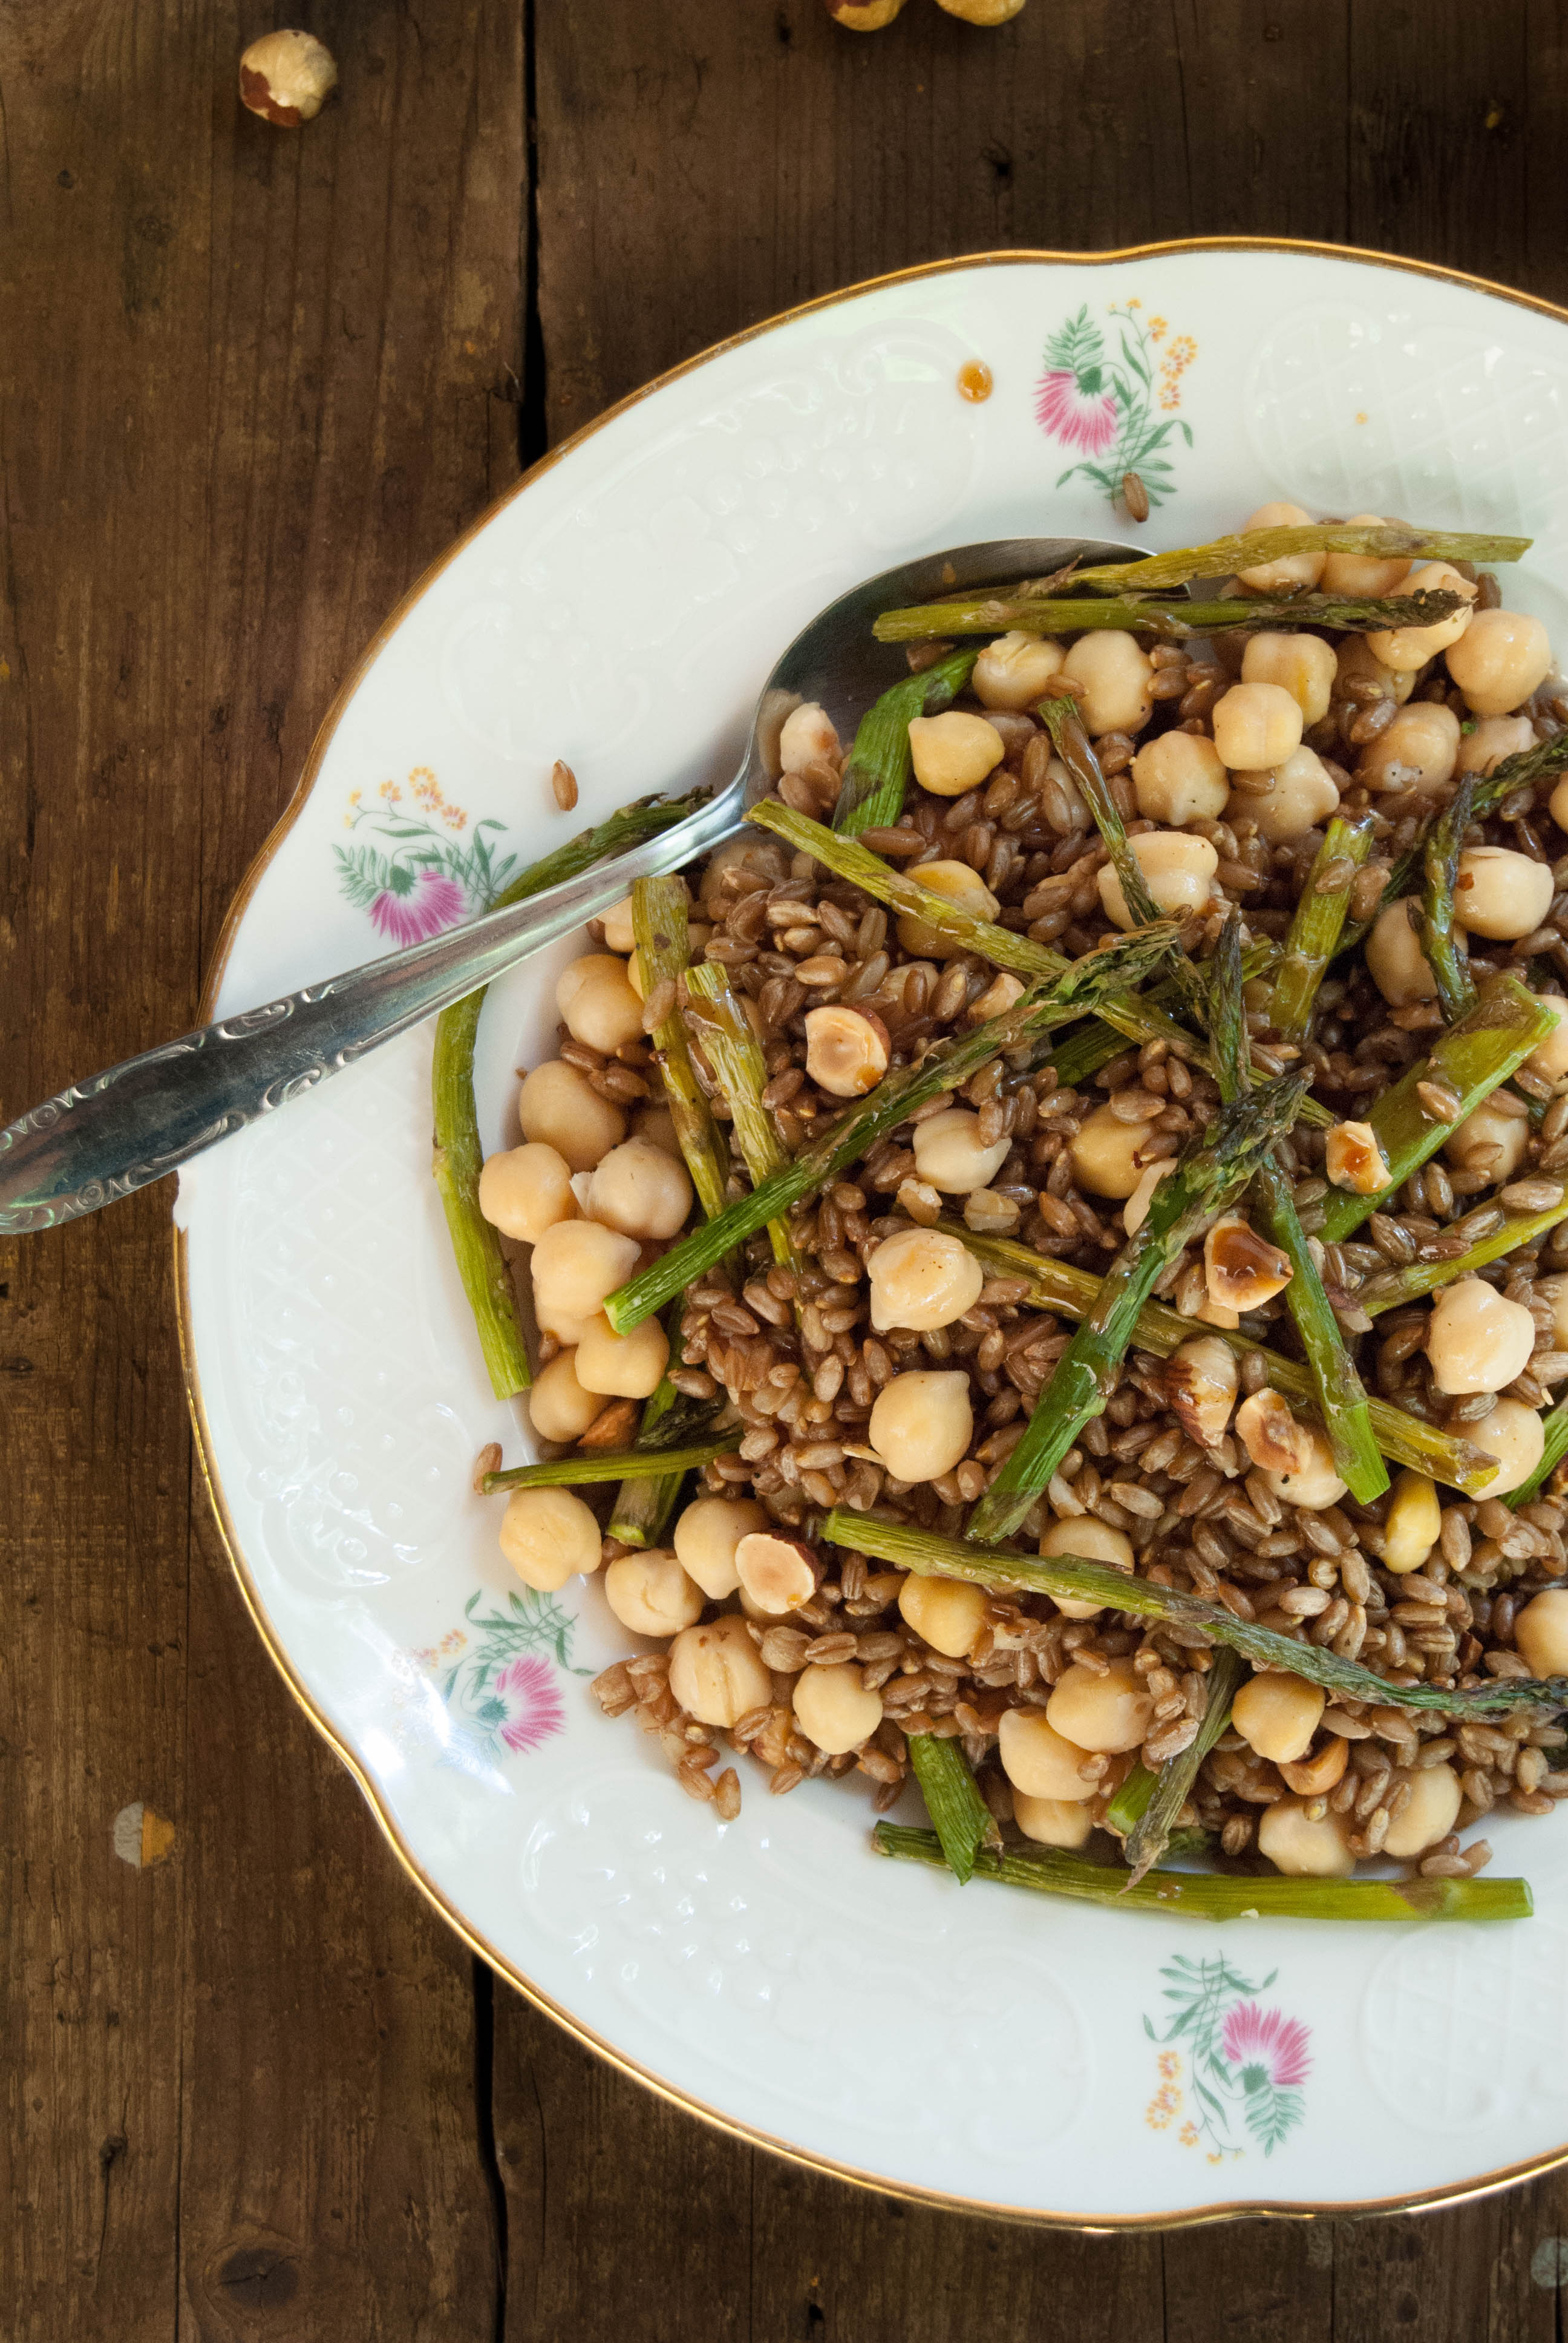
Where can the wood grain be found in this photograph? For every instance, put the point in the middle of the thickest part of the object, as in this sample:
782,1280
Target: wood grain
250,382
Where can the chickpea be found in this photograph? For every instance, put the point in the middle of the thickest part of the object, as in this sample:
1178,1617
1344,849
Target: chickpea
962,886
776,1573
922,1278
620,935
846,1049
1105,1154
1541,1633
1395,961
707,1535
651,1595
1090,1541
1409,647
1107,1712
1015,671
1367,577
1356,664
1303,1849
1051,1822
524,1191
1038,1762
1513,1433
1316,1485
1500,660
1489,1140
622,1366
641,1190
1301,793
1304,665
1477,1341
808,737
560,1407
1502,894
1412,1523
716,1672
1291,570
1135,1211
597,1003
1277,1715
833,1708
1201,1383
922,1424
1549,1059
1115,675
948,1155
1178,868
1483,750
953,752
1559,803
577,1264
1256,725
548,1535
1431,1813
558,1107
947,1613
1178,777
1418,750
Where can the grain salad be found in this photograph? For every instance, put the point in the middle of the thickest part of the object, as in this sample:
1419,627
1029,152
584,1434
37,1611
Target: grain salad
1050,1248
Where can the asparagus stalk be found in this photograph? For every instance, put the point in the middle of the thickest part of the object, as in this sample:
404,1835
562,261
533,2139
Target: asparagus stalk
1555,1423
642,1508
459,1158
1315,929
960,1815
1524,770
1469,1060
1130,1803
1251,547
612,1464
1175,621
663,945
877,770
1150,1833
1080,989
730,1045
1215,1166
1133,1019
1389,1288
1455,985
1342,1401
1221,1895
908,1548
1058,1286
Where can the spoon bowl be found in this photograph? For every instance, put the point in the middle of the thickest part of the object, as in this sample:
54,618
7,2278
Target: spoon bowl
118,1131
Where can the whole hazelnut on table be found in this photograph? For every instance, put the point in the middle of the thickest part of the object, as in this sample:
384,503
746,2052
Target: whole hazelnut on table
287,78
863,15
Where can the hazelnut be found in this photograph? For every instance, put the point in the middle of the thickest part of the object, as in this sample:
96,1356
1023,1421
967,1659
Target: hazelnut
846,1049
863,15
1271,1435
287,78
1314,1777
778,1573
1201,1387
1241,1268
1352,1159
982,12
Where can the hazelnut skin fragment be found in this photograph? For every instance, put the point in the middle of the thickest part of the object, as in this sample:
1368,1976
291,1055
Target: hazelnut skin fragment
287,78
1241,1268
1352,1159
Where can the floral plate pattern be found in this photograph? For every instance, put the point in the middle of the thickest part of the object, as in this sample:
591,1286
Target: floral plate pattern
1077,2066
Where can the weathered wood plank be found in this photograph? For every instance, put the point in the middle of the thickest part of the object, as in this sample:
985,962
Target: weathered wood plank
249,385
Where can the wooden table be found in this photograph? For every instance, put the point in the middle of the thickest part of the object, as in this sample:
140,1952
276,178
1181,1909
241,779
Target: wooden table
253,381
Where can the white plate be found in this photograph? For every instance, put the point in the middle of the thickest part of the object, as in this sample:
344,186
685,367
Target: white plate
618,610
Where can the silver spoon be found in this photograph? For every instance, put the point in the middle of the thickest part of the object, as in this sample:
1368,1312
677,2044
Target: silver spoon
105,1137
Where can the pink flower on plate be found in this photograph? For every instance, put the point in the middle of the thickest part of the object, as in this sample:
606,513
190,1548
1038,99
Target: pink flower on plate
1078,417
533,1699
1254,2036
427,903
